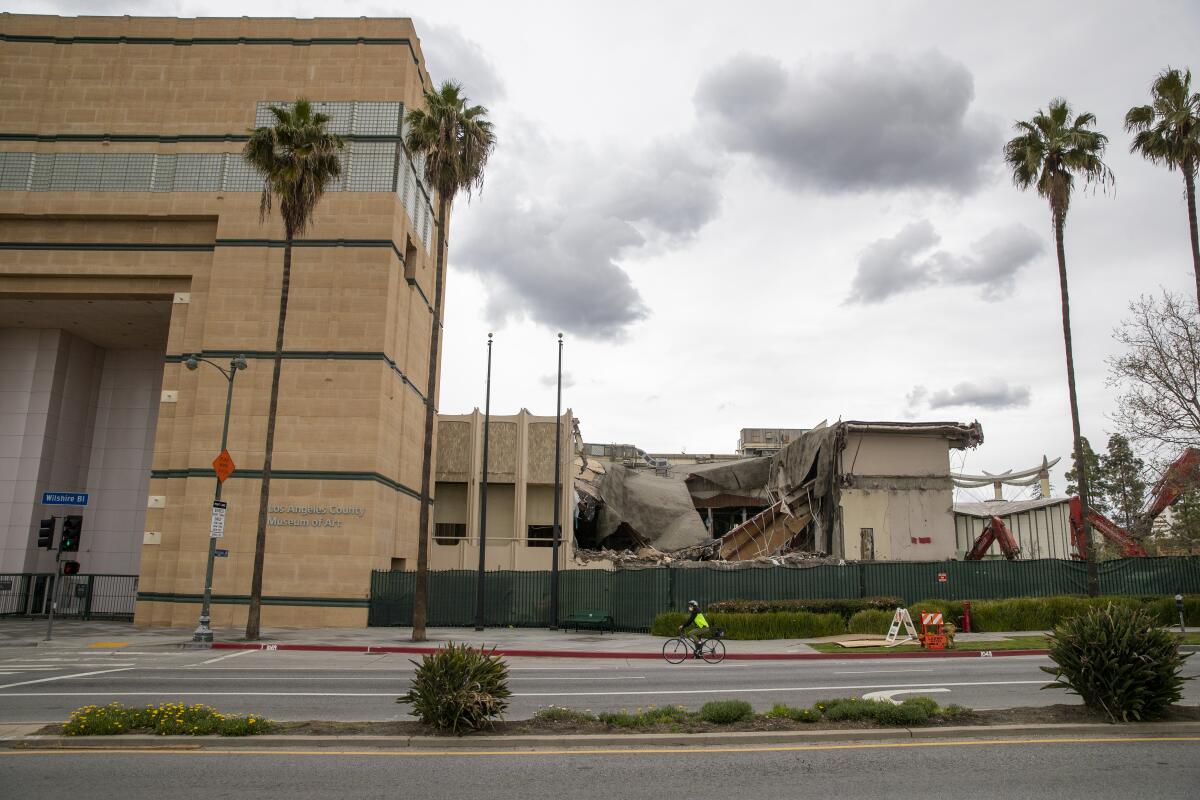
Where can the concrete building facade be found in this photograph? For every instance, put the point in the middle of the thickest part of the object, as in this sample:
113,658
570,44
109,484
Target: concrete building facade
130,237
520,492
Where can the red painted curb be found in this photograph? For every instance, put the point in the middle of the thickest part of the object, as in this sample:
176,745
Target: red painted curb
417,650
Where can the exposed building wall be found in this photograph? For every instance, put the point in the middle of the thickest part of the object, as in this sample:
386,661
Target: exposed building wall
520,489
899,488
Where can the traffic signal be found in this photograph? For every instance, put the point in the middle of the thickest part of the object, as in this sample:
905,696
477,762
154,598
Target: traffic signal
72,529
70,567
46,533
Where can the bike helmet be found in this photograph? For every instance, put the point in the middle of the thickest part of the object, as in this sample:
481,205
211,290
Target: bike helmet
693,604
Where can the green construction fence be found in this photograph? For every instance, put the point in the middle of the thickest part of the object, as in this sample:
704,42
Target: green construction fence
633,597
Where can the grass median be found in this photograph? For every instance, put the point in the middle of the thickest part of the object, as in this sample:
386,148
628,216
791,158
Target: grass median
1037,642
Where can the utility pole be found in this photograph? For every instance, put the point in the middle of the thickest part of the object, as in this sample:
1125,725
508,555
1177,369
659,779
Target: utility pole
556,531
203,632
480,576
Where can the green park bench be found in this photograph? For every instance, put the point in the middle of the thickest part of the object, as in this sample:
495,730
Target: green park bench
590,618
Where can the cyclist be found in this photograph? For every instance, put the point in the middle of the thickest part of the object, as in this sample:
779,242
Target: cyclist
695,627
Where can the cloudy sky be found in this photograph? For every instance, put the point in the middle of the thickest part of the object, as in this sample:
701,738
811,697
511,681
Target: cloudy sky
774,213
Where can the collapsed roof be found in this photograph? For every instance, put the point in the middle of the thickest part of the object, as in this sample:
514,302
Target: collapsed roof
799,487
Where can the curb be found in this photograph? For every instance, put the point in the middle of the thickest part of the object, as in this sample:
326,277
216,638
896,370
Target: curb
523,653
567,742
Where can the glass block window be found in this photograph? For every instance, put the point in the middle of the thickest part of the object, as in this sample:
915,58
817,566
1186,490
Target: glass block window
15,169
198,172
366,167
240,176
164,173
377,119
361,118
370,166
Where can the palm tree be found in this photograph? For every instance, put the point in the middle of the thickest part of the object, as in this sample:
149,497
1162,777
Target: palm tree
1048,152
298,159
456,140
1168,132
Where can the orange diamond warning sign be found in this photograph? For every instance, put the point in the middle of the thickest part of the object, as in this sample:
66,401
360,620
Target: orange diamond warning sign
223,464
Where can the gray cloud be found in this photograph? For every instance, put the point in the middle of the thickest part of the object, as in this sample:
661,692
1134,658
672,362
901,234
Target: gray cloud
450,55
550,380
550,243
909,261
993,394
853,124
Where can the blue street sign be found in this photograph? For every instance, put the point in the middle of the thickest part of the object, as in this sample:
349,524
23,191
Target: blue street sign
64,498
221,553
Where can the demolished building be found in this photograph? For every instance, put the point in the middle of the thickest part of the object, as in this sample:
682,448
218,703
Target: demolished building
851,490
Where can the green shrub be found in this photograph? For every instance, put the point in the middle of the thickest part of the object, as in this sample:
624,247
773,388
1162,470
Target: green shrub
910,712
725,712
458,688
622,719
871,621
765,625
953,712
782,711
951,610
562,714
653,715
1119,661
850,709
165,719
845,607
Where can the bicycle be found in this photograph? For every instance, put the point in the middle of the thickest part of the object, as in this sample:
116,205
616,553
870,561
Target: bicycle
711,649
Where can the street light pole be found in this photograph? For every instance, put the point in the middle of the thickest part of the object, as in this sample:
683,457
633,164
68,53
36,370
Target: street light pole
556,532
203,632
483,485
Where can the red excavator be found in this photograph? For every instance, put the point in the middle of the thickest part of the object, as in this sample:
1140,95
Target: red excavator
994,531
1182,475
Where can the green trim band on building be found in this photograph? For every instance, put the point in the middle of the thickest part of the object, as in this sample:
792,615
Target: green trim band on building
330,243
290,474
243,599
304,355
216,40
170,138
110,246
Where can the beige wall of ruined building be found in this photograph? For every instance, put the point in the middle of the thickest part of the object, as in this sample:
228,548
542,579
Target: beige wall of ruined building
520,497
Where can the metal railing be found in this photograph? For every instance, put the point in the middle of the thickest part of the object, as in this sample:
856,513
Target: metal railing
79,596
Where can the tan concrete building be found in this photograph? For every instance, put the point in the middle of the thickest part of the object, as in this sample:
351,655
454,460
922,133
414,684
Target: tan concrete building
520,492
130,237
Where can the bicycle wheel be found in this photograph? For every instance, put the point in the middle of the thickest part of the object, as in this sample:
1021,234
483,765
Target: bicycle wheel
676,651
714,651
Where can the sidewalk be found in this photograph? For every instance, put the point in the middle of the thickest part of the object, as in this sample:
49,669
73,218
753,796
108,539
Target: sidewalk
513,642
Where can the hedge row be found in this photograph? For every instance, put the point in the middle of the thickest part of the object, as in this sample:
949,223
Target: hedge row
846,608
1016,614
767,625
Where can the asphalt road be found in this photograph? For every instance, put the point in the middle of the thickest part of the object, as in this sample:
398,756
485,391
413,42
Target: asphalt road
1062,769
43,685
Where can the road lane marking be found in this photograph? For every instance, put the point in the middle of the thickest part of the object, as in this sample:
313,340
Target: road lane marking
651,692
65,677
222,658
878,671
721,690
889,695
195,749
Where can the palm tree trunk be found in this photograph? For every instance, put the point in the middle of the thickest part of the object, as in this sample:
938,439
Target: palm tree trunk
1189,180
421,590
1093,573
254,614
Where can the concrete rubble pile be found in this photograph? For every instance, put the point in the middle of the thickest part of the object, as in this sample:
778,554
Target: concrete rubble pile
652,519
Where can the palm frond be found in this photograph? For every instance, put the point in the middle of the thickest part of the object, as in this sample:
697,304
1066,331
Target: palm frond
298,159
